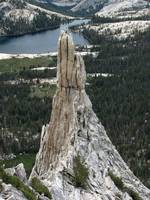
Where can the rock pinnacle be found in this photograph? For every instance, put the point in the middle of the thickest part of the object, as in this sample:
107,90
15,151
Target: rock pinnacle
74,130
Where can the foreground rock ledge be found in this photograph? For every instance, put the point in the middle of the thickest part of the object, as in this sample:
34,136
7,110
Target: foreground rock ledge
74,130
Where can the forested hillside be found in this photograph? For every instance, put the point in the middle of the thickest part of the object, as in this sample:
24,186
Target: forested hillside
24,103
19,17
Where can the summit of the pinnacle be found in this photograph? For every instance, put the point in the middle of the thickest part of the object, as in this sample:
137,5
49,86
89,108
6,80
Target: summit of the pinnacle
71,71
74,130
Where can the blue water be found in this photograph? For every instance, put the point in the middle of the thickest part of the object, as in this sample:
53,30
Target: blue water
41,42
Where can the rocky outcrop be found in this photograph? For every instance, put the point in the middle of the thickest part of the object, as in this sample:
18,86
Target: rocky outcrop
75,131
10,193
18,171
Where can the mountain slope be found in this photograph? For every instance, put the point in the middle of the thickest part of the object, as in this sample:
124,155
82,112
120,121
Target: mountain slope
121,19
19,18
105,6
82,5
125,9
89,6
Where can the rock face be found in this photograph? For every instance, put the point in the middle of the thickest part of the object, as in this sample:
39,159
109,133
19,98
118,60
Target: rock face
11,193
74,130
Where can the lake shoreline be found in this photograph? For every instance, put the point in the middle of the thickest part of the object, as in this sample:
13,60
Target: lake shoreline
31,32
44,41
5,56
42,29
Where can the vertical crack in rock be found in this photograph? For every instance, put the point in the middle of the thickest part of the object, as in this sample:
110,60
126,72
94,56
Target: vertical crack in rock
75,130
